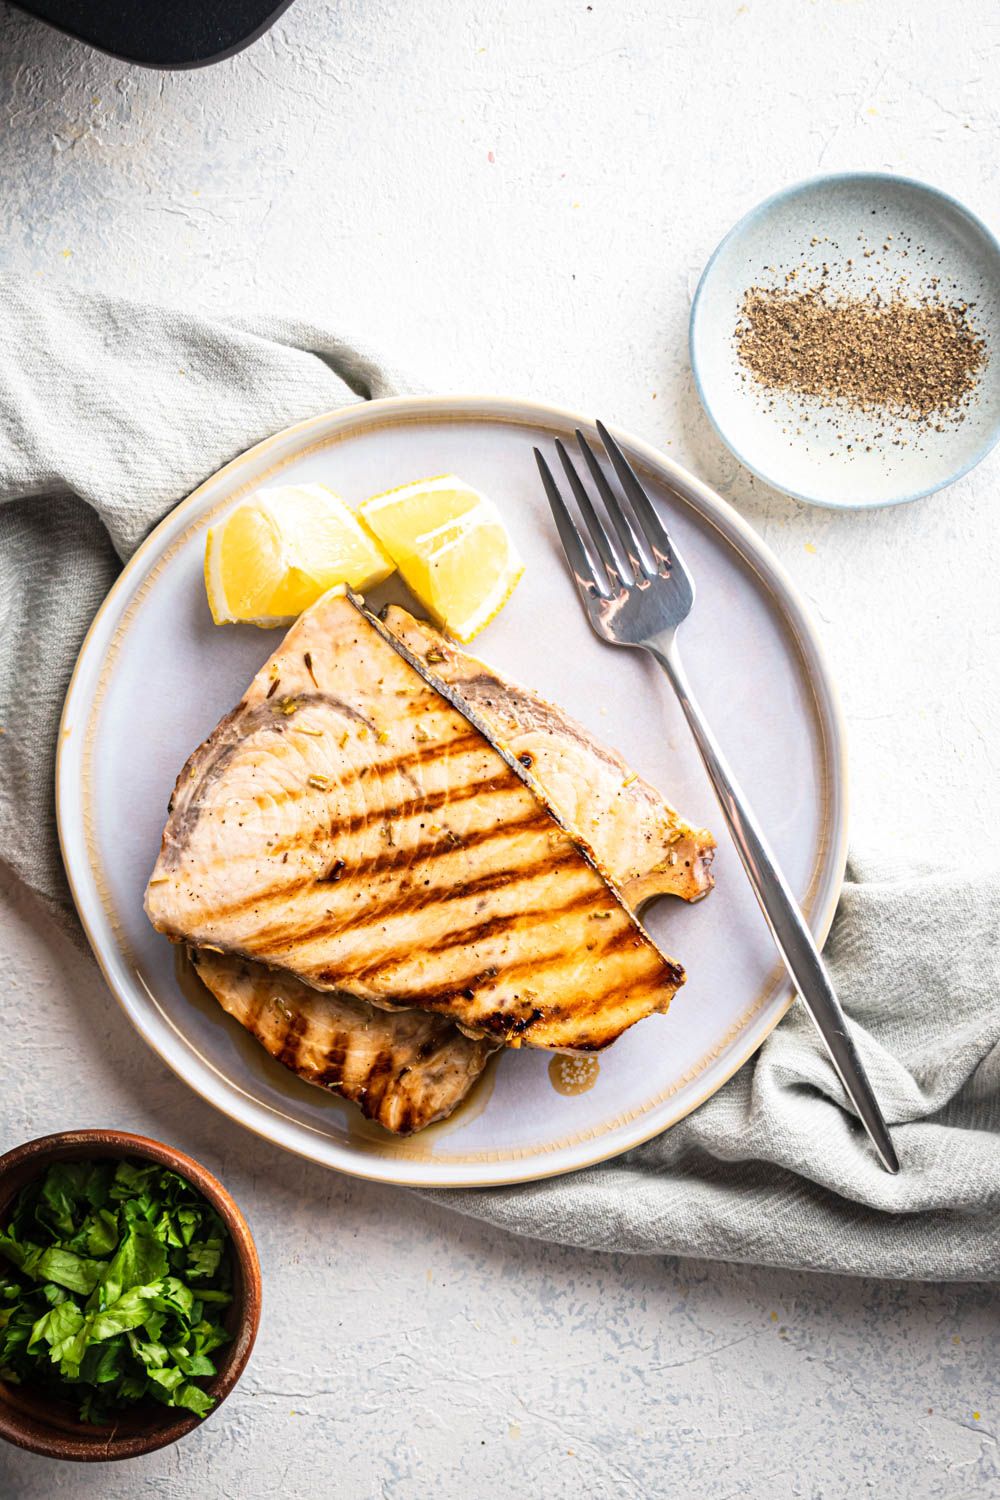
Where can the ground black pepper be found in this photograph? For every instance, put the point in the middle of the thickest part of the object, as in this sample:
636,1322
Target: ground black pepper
914,359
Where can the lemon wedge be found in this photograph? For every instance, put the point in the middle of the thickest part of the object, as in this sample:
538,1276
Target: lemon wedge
276,554
452,548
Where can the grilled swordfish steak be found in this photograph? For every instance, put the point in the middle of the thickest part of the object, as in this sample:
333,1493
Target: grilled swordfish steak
348,824
641,840
403,1068
408,1068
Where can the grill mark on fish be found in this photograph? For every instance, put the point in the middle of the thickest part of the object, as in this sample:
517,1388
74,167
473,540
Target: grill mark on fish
424,802
376,864
291,1040
376,1084
282,939
476,932
482,885
437,998
403,1122
430,801
333,1071
419,898
378,771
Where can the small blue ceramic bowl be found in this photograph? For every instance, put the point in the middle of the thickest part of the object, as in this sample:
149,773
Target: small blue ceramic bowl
914,233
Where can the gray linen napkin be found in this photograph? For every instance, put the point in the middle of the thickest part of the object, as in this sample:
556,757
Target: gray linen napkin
774,1168
112,411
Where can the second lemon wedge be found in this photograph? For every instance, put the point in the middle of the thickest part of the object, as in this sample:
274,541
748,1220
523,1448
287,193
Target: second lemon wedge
276,554
452,549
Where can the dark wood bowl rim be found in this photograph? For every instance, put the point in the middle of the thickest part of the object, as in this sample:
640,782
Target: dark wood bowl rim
23,1419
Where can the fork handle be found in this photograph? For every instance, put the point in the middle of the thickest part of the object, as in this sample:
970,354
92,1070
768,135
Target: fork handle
788,927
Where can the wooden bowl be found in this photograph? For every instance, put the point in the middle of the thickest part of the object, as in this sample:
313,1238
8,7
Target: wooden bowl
33,1420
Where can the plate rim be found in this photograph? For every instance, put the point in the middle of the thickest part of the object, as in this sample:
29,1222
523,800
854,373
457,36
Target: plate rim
759,210
753,552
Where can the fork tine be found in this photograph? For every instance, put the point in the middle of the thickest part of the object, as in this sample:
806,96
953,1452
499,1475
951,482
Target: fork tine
586,568
653,528
638,551
598,532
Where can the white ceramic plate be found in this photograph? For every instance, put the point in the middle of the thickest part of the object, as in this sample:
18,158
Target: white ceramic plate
912,230
155,675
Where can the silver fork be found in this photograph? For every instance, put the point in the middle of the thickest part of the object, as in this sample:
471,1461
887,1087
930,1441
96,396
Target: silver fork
636,592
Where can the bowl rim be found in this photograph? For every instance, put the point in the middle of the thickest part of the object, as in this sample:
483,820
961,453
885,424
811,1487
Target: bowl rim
791,190
97,1142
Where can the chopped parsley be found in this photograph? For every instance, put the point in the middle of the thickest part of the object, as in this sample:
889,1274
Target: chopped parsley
113,1277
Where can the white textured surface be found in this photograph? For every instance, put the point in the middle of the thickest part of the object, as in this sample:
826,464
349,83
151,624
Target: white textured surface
520,200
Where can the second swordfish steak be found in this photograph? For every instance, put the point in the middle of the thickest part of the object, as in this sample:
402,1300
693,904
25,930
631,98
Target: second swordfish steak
348,824
402,1068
